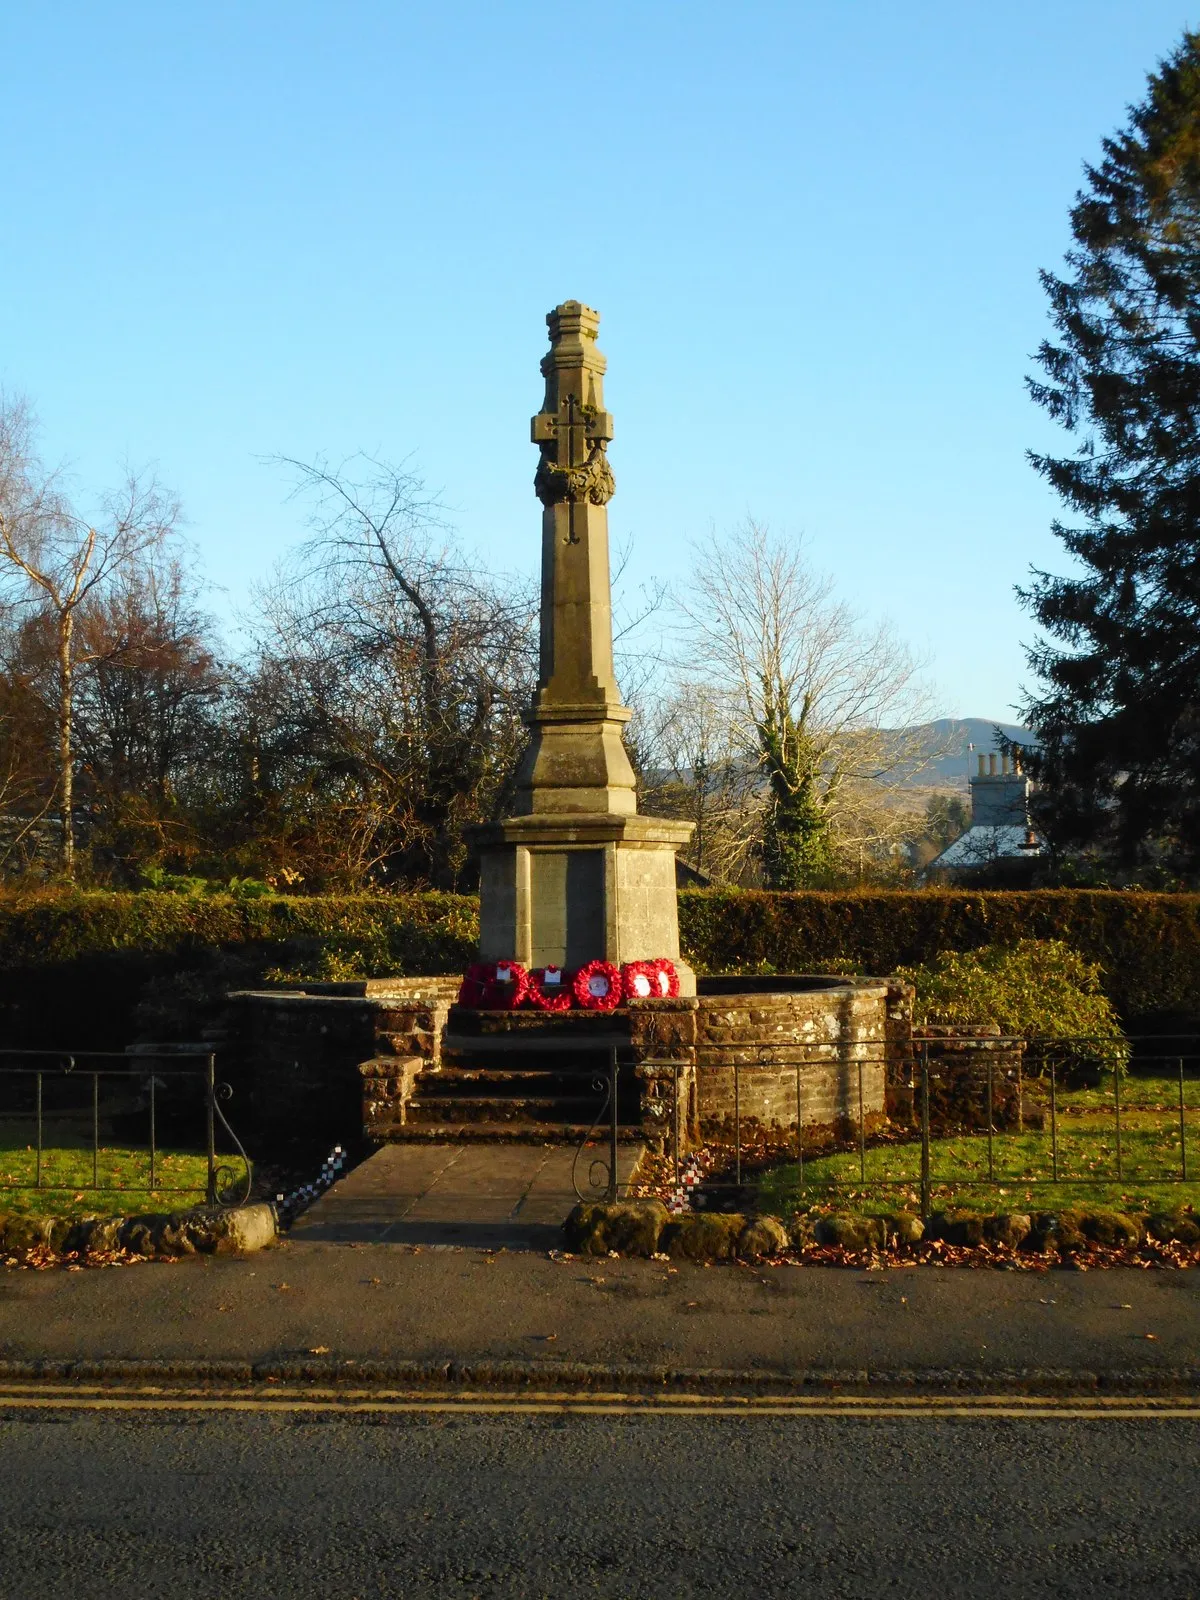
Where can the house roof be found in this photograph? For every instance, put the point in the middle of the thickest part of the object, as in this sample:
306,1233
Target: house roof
984,842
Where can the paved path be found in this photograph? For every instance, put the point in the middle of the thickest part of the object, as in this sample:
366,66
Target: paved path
469,1194
395,1303
507,1506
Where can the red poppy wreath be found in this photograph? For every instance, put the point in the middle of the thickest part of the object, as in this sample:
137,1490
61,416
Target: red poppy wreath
598,986
639,980
666,978
549,989
496,985
470,990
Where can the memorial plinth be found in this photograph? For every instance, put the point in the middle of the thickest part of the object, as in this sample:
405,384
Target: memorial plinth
577,874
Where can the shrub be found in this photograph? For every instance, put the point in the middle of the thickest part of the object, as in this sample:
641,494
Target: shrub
1037,989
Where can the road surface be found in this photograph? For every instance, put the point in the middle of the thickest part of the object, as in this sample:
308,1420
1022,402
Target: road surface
512,1503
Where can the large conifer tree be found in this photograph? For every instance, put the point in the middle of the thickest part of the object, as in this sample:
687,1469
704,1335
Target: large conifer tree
1118,712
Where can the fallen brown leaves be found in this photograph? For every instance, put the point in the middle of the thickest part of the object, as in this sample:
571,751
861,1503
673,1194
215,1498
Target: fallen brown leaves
42,1259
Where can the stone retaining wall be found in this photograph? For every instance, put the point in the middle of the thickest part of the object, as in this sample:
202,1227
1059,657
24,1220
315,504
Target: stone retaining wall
817,1049
302,1048
334,1059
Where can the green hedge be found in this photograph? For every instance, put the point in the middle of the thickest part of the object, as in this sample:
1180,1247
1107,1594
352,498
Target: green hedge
93,970
1148,945
89,955
411,933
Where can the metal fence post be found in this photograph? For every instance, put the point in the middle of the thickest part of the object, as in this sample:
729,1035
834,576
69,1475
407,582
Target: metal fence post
1053,1122
924,1130
862,1129
675,1122
1182,1129
991,1066
38,1179
210,1105
737,1123
95,1130
799,1130
153,1140
1117,1109
614,1124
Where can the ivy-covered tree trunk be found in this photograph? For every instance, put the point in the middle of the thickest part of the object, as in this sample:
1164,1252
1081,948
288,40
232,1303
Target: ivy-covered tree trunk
1117,714
796,846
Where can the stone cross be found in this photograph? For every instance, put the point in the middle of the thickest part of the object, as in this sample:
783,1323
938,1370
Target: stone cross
577,713
576,873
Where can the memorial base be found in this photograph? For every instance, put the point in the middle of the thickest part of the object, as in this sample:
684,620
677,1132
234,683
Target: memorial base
562,890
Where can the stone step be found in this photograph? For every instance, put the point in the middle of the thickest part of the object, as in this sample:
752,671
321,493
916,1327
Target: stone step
463,1081
505,1132
503,1108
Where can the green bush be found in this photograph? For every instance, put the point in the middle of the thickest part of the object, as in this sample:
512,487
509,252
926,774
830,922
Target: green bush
1037,988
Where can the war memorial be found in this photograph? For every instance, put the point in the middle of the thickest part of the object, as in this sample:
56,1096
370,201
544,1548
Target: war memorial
580,1010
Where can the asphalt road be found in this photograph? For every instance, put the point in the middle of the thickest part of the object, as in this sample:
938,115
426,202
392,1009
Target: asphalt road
518,1505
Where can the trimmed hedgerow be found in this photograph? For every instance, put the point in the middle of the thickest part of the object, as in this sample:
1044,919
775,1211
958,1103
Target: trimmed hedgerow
93,969
412,933
1147,945
103,947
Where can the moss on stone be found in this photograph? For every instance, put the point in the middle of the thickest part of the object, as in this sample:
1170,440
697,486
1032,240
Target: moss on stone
1113,1228
956,1227
904,1228
852,1232
631,1227
1057,1230
1174,1227
712,1236
1010,1228
762,1236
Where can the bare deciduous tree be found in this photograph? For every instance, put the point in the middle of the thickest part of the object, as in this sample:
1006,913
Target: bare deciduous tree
56,560
697,770
821,705
408,667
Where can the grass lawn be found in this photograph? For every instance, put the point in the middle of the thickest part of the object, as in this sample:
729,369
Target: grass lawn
1021,1171
118,1183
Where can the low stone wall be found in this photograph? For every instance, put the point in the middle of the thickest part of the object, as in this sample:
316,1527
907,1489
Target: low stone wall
811,1050
204,1230
301,1049
334,1060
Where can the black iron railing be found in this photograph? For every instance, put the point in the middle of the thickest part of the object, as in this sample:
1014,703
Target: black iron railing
956,1111
602,1181
136,1090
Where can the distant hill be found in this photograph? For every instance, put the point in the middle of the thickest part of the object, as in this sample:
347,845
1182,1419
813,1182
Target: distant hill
951,736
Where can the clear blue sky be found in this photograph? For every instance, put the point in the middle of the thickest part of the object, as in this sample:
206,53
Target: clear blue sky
813,231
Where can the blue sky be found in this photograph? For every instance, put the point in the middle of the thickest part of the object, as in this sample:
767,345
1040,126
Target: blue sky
813,232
